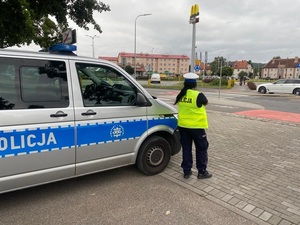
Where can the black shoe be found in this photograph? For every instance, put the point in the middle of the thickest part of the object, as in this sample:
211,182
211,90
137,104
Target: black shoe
204,175
187,175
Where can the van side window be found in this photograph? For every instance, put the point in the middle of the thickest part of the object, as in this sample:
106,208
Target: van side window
28,84
104,86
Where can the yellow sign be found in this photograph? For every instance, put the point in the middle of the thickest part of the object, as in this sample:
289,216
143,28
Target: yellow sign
194,11
197,62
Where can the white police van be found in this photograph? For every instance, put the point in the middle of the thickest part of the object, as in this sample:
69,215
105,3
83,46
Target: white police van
64,116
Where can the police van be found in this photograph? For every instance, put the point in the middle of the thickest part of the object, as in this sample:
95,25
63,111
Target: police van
64,116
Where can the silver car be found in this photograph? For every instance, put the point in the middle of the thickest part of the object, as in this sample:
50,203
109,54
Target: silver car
64,116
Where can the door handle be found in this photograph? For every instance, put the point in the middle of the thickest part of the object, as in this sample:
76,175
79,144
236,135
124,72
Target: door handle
89,113
59,114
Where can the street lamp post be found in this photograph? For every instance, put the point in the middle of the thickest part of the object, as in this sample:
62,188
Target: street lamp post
286,67
220,78
147,14
152,66
93,43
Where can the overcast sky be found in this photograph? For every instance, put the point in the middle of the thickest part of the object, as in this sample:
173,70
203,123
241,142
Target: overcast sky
255,30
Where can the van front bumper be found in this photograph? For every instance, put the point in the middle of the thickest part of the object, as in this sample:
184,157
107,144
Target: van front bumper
176,146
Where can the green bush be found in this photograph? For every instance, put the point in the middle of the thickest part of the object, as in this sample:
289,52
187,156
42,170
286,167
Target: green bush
251,85
216,82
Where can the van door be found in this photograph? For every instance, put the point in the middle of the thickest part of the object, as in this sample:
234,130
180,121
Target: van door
37,122
108,123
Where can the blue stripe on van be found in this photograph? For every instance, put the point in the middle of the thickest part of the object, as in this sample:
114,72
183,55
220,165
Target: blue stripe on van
28,141
110,132
167,121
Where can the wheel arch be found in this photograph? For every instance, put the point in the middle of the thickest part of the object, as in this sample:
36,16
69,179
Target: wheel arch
262,88
169,134
295,90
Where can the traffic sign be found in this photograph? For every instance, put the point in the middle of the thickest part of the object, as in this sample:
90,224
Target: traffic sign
197,68
69,36
149,67
298,65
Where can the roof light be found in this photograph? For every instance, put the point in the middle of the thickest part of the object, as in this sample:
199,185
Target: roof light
62,48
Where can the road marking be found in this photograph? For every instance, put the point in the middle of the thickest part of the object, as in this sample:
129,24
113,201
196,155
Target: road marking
224,106
269,114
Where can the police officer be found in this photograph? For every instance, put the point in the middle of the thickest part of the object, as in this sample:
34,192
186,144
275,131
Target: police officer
192,122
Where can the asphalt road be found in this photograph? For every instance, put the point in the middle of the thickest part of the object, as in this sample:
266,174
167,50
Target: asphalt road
121,196
238,99
125,196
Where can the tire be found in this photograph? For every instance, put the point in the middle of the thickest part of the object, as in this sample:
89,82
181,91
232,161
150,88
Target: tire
154,155
262,90
296,91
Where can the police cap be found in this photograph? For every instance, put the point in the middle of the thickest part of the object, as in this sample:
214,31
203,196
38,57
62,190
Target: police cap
190,77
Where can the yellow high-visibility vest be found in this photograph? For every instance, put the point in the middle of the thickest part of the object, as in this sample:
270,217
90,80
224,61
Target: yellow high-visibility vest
189,114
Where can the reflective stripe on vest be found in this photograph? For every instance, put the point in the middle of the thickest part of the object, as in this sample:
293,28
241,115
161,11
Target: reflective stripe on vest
189,114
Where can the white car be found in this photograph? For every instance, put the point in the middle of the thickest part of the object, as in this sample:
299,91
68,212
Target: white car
287,86
155,78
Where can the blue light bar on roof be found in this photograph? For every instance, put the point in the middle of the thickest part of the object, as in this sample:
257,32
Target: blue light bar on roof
62,48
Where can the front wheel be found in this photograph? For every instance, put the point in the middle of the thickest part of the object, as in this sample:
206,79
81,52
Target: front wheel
154,155
262,90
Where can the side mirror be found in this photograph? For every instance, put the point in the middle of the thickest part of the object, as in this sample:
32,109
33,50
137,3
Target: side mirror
141,100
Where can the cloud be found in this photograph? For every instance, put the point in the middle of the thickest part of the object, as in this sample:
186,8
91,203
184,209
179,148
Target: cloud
242,30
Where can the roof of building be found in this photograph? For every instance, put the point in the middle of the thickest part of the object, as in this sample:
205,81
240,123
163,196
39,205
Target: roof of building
151,56
108,58
206,65
289,63
240,64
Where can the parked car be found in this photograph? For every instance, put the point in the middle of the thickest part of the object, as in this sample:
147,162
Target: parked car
288,86
235,76
155,78
215,77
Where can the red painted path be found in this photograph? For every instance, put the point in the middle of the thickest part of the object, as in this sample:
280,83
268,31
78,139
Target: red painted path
269,114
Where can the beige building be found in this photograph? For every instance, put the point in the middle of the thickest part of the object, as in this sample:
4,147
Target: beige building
241,66
281,68
160,63
109,58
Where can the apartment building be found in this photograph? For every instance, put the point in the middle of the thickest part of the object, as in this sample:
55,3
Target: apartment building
281,68
160,63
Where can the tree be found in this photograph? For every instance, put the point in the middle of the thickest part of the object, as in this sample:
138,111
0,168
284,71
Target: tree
226,71
129,69
242,74
216,64
43,21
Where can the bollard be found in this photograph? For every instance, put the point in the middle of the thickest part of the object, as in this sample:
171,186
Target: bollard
229,83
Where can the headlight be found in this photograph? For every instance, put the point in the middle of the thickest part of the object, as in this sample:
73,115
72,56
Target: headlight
176,115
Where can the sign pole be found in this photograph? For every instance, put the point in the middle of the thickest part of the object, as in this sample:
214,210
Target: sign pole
194,18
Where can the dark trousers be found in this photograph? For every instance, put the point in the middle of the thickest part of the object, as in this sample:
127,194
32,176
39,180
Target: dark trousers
187,137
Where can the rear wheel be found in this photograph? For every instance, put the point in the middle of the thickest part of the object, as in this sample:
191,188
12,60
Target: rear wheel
296,91
154,155
262,90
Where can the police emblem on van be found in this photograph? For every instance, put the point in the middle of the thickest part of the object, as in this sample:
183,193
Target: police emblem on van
117,131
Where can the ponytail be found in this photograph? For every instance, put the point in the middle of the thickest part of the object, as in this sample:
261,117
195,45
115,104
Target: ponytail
187,85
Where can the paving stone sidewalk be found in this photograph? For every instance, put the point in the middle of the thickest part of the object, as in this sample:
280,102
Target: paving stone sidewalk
255,165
